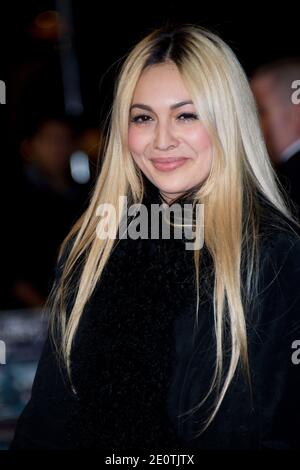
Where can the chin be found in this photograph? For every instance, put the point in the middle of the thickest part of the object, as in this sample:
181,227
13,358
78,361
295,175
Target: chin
171,191
169,186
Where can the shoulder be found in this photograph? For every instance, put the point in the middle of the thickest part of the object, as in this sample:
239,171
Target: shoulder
277,234
279,247
277,271
278,290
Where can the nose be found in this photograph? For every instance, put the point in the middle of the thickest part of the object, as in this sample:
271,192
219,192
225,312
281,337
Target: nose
164,137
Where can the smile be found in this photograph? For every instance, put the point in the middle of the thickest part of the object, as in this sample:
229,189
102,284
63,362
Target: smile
168,164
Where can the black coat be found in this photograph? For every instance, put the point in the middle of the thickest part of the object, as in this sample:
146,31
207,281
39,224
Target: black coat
137,365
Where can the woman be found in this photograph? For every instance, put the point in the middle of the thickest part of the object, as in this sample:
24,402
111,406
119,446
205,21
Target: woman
154,345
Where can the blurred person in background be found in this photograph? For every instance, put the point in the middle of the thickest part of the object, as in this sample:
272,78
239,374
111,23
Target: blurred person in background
273,86
49,202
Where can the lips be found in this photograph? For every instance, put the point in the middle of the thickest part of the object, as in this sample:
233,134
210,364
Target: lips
168,163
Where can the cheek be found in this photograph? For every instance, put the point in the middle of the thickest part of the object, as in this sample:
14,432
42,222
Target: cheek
199,139
277,125
137,141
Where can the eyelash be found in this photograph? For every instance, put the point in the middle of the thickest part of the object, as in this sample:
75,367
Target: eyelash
188,117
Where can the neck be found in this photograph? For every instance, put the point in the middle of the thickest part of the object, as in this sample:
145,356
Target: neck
167,199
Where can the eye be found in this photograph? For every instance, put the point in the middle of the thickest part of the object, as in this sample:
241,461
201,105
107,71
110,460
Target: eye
141,118
187,117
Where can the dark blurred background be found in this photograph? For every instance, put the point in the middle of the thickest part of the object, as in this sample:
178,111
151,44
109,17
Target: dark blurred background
59,60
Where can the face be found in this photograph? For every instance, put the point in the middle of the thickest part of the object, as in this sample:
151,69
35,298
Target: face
166,139
276,115
51,147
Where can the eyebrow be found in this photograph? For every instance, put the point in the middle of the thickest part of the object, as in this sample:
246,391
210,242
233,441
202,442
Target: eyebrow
148,108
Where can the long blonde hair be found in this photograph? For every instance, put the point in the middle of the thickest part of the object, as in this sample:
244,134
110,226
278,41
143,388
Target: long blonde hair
241,168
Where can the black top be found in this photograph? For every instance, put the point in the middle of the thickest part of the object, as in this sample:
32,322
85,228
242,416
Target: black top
138,363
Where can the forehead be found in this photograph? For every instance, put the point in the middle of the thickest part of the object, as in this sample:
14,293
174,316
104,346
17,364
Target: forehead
160,82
